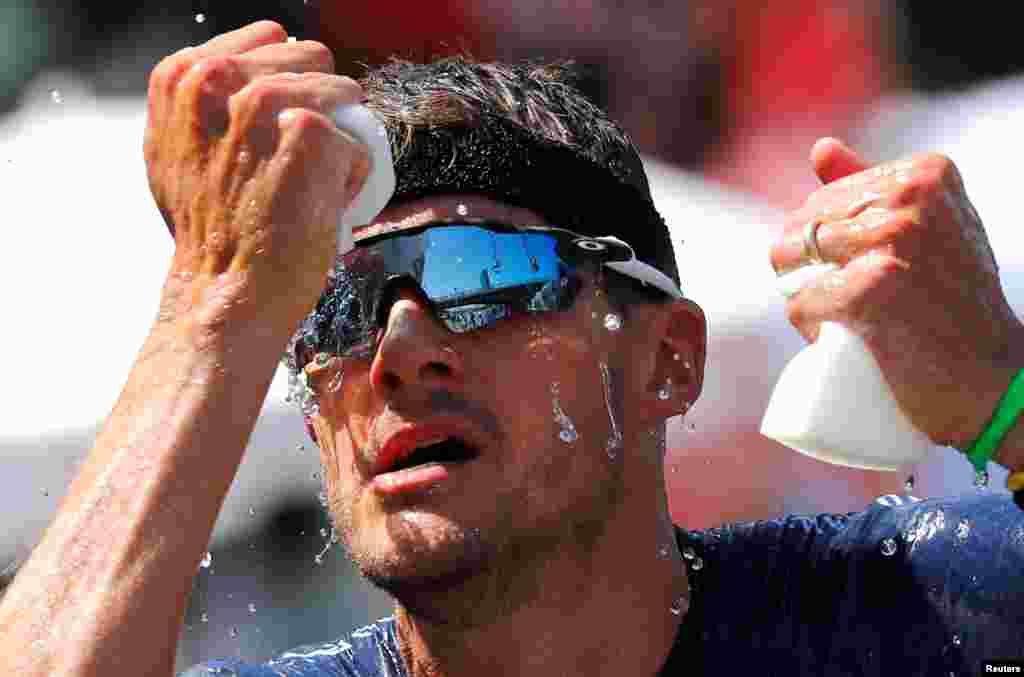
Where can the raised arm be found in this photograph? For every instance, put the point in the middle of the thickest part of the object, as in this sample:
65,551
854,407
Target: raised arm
252,198
918,282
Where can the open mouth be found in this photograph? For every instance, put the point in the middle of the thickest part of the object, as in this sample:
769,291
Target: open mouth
450,451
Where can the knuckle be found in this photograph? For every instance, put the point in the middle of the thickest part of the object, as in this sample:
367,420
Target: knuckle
307,122
209,73
903,225
169,72
273,29
351,89
321,54
258,97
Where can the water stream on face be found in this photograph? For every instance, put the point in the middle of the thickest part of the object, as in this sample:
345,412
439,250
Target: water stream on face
568,432
331,540
665,391
334,385
615,441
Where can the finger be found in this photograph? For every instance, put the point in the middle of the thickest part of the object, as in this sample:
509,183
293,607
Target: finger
832,160
315,174
242,40
290,57
168,75
853,295
840,241
254,109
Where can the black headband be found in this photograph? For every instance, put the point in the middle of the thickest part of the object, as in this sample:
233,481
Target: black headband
498,158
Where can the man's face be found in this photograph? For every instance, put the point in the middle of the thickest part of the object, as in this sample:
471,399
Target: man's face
539,397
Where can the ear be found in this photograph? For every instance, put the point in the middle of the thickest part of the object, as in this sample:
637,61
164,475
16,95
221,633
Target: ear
680,360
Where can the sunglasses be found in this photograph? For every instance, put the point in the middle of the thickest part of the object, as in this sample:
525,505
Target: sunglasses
472,273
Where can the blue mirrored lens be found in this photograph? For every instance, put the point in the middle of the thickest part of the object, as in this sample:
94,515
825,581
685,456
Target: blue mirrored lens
471,275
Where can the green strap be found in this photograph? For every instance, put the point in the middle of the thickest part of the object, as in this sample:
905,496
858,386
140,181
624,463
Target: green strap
1010,407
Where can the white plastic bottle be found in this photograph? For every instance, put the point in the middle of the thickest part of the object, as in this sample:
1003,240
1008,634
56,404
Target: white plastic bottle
832,402
361,123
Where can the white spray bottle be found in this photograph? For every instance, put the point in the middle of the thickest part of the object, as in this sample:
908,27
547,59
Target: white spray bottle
361,123
832,402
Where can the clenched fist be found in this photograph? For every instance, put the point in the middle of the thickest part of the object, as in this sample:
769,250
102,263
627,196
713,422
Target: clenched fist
917,281
250,173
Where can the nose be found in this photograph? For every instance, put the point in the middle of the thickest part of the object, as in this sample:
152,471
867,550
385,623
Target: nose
415,350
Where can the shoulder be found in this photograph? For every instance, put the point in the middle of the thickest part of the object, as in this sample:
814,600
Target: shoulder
370,651
830,583
978,519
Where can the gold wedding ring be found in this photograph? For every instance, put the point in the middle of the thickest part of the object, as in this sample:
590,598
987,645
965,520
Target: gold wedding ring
811,250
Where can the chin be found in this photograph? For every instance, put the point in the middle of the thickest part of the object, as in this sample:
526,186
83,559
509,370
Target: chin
417,552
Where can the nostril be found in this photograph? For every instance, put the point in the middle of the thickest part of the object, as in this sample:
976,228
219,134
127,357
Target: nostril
438,369
390,380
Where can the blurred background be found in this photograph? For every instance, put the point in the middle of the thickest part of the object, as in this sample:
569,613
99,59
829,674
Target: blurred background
723,98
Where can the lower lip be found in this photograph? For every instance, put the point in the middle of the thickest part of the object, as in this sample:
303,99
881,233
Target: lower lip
418,478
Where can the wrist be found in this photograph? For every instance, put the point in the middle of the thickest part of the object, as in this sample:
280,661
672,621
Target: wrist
222,313
1000,438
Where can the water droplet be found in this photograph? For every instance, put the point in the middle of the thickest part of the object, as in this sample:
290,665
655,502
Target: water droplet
615,441
888,547
568,432
233,631
462,210
956,640
981,479
319,558
252,511
677,357
56,96
45,492
688,553
665,391
909,484
679,605
612,322
252,608
206,561
963,530
697,564
200,18
300,447
663,551
205,618
323,532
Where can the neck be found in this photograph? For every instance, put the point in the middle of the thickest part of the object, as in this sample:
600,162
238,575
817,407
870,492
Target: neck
606,609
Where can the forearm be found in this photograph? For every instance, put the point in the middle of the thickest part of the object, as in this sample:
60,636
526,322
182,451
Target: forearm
106,588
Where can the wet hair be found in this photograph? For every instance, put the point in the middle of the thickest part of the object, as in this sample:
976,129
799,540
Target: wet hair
521,134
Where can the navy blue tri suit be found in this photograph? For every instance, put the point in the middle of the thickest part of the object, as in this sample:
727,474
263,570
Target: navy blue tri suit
903,588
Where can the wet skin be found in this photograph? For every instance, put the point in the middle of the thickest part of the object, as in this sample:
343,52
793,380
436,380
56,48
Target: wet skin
528,498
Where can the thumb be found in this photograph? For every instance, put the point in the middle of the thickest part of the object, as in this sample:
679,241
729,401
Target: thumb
832,160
